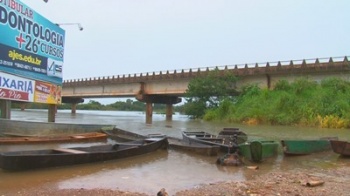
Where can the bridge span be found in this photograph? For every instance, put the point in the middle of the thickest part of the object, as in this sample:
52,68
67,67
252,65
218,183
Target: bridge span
167,87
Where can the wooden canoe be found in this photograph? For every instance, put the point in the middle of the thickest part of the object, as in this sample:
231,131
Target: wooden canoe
257,151
25,160
202,149
121,135
305,147
31,128
73,138
341,147
185,146
227,144
118,134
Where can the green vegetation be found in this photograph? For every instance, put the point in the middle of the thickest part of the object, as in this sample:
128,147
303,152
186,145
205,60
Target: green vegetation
302,102
213,98
208,91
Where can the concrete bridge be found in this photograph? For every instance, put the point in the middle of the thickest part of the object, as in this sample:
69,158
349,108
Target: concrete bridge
167,87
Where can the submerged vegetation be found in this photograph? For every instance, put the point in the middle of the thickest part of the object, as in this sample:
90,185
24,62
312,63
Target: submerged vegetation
302,102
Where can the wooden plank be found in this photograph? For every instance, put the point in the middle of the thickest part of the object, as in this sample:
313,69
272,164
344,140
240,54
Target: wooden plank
70,150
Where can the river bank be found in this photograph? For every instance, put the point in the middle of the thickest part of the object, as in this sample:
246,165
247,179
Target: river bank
145,175
321,182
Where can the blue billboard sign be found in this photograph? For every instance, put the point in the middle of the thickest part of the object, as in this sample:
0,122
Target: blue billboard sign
30,45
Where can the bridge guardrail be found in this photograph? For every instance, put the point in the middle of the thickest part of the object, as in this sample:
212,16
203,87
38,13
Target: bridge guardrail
138,77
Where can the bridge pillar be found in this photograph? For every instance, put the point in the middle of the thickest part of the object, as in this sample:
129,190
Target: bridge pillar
160,99
52,109
149,111
74,101
5,109
74,108
169,112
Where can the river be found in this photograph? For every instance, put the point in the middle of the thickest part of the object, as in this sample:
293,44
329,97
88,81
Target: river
172,170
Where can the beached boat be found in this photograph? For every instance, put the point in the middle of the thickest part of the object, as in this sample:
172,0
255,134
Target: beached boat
234,133
121,135
341,147
118,134
24,160
304,147
198,148
227,143
257,151
31,128
73,138
186,146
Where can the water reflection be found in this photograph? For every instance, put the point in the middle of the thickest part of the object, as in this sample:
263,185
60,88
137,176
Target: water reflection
146,173
173,170
176,171
322,160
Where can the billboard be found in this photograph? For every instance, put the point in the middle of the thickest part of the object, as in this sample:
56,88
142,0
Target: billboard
21,89
31,47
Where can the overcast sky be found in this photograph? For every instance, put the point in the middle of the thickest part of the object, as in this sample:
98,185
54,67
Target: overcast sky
140,36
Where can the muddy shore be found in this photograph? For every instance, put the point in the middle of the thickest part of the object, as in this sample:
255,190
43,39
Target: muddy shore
301,182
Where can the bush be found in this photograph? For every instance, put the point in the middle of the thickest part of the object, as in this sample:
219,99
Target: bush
302,102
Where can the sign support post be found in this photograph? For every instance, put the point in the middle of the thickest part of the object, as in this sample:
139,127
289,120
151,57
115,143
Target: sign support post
5,109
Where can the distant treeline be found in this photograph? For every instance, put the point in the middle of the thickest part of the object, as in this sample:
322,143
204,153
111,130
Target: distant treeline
128,105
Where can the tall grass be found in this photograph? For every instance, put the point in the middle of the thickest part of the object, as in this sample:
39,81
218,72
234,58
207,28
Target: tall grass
302,102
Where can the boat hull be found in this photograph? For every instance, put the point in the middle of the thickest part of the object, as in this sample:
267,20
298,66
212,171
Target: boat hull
25,160
341,147
305,147
174,143
208,139
121,135
235,134
257,151
30,128
75,138
202,149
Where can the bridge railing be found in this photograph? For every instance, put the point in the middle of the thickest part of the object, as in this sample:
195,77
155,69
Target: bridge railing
156,75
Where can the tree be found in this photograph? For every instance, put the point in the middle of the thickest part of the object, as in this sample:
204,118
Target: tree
206,92
92,105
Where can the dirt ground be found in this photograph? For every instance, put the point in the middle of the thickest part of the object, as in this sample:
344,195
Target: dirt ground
300,183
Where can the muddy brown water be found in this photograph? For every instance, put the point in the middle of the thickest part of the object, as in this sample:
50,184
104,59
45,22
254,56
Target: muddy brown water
169,169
